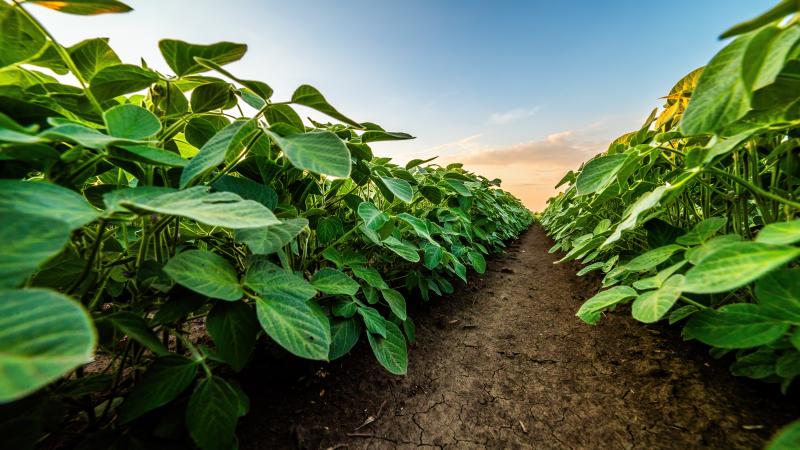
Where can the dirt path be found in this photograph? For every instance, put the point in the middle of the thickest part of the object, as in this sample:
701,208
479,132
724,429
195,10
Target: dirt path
505,364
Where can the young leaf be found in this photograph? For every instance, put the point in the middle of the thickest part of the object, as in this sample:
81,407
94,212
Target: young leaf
44,335
319,152
309,96
233,327
296,326
735,265
391,351
205,273
212,413
739,325
131,122
180,55
163,382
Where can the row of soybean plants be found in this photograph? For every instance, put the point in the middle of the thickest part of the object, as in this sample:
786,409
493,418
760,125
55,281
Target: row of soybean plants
136,205
694,217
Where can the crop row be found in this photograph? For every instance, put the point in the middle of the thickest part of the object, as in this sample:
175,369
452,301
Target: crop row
138,206
694,217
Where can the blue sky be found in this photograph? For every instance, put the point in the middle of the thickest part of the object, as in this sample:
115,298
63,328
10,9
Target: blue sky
522,90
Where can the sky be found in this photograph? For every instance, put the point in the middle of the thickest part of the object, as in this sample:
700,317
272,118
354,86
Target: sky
518,90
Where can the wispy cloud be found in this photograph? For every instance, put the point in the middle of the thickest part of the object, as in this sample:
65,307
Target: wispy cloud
558,149
500,118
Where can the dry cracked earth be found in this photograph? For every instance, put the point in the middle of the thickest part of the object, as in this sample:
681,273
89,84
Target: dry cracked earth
504,363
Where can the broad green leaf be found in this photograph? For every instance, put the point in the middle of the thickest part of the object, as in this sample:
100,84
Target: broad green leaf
275,284
85,136
373,218
92,55
433,256
788,365
309,96
248,190
478,261
373,320
260,89
296,326
45,200
212,413
739,325
400,188
657,280
44,335
334,282
148,155
780,233
180,55
652,258
759,364
233,327
736,265
84,7
344,336
284,114
779,11
319,152
29,241
371,276
651,306
788,438
779,293
396,302
165,379
702,231
631,217
696,254
589,312
131,122
222,209
135,327
404,249
329,229
391,351
377,135
682,313
20,37
210,96
227,141
113,81
205,273
599,173
458,187
265,241
420,226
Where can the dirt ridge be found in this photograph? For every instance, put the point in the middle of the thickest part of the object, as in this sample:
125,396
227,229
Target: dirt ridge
504,363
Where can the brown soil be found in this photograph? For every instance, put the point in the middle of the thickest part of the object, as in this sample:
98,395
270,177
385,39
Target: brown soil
506,364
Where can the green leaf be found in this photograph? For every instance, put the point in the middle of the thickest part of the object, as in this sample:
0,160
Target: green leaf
403,249
309,96
260,89
739,325
696,254
45,200
589,312
180,55
657,280
396,302
631,217
131,122
296,326
165,379
334,282
113,81
233,327
599,173
788,365
373,320
135,327
85,136
227,141
20,37
420,226
779,11
652,258
788,438
210,96
284,114
478,261
29,241
458,187
682,313
319,152
653,305
702,231
222,209
205,273
84,7
265,241
212,413
275,284
433,256
736,265
399,188
371,276
373,218
44,335
779,293
248,190
344,336
329,229
391,351
92,55
377,135
148,155
780,233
